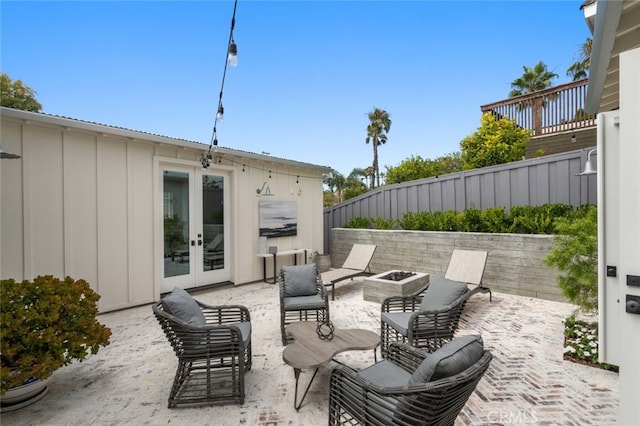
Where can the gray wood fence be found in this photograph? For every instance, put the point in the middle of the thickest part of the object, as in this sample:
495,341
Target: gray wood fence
549,179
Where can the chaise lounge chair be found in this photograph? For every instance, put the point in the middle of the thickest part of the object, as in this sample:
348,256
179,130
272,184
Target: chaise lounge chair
356,264
467,266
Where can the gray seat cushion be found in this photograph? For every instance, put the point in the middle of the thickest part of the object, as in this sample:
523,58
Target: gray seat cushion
302,303
385,374
245,330
442,293
451,359
181,305
400,321
300,280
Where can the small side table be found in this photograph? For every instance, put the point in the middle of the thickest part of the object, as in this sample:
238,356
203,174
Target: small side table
265,256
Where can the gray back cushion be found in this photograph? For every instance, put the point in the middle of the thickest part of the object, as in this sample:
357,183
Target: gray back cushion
299,280
451,359
181,305
441,293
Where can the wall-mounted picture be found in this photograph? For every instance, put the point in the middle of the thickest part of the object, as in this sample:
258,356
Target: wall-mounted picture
278,219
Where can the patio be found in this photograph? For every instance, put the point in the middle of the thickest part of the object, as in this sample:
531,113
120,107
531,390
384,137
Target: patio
128,382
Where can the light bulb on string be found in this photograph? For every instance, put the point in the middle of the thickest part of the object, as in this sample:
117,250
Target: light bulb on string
232,57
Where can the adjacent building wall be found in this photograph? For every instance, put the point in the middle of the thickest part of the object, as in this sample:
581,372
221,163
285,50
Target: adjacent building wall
83,199
514,262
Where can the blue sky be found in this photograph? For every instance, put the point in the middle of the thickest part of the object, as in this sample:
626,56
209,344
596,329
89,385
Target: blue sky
308,73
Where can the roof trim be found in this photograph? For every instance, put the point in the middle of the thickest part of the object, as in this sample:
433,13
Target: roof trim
66,122
604,36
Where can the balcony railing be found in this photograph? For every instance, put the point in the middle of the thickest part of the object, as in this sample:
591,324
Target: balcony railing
554,110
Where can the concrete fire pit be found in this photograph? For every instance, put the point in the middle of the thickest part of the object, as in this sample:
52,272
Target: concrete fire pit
376,288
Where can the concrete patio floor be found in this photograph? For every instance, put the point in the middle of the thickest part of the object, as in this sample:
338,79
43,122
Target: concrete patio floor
128,381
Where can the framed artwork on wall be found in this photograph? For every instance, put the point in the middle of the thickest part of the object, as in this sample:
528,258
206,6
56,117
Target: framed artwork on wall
278,219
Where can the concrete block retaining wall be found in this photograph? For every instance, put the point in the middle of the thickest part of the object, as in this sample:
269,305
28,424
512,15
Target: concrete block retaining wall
514,261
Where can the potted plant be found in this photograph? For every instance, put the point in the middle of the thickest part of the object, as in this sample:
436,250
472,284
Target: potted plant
44,324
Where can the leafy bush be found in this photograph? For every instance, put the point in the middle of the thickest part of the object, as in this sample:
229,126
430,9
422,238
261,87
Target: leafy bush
496,141
494,220
471,221
575,252
359,223
521,220
380,223
530,220
46,324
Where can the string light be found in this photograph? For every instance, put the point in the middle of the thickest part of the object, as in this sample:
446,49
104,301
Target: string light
231,162
231,58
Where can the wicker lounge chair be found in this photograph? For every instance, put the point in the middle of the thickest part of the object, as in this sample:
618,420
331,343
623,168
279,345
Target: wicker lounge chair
302,296
213,346
427,319
409,387
356,264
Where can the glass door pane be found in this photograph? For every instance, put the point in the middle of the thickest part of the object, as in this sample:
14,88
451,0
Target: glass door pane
213,223
176,223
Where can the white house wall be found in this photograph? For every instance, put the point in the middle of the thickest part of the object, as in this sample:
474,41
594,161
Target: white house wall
81,203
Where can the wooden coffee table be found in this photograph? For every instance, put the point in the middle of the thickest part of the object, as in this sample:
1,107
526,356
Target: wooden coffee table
309,351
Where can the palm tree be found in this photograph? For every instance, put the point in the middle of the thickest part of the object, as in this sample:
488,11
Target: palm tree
336,180
533,79
379,125
580,69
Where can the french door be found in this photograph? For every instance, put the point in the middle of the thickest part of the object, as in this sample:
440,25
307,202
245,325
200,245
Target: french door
195,234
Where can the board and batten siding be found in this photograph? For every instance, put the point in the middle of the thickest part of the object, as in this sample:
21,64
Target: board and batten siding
84,200
86,212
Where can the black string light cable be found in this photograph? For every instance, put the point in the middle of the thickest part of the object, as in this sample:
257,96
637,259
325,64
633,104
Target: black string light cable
220,159
231,58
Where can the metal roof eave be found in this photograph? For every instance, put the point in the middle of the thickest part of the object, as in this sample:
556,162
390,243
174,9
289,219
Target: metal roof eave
66,122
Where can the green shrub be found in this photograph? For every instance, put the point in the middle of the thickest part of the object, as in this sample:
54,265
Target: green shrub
471,220
520,220
531,220
381,223
410,221
575,252
494,220
46,324
359,223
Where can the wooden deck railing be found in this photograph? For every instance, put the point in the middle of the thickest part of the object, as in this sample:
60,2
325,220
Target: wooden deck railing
553,110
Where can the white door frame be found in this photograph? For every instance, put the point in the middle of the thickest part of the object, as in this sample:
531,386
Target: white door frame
197,274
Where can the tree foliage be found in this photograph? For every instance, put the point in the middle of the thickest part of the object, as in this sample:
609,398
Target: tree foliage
534,79
576,253
354,184
416,167
495,142
579,70
379,126
15,94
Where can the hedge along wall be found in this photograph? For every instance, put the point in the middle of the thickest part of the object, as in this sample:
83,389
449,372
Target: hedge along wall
514,261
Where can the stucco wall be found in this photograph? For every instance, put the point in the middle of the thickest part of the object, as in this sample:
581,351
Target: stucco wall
514,262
